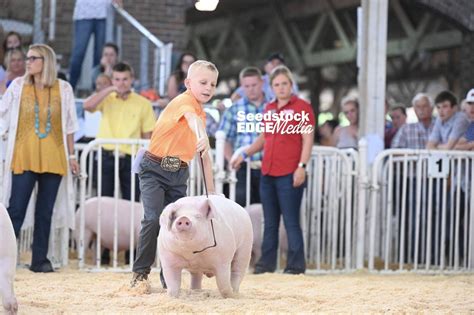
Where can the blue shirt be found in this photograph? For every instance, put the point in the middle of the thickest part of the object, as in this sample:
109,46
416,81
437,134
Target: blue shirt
229,125
469,135
452,129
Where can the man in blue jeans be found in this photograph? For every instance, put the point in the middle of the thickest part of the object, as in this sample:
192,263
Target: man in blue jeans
89,18
125,115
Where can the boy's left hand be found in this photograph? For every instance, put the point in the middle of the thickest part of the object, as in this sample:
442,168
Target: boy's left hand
203,146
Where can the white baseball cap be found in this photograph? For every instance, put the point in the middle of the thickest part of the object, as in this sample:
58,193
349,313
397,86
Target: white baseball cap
470,96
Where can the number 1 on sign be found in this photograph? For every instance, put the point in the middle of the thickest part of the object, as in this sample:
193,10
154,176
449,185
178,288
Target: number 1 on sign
438,166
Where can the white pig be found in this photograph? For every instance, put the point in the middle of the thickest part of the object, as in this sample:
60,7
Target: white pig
205,236
91,209
256,215
8,252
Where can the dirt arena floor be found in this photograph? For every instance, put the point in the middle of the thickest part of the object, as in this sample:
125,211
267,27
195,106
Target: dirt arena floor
70,291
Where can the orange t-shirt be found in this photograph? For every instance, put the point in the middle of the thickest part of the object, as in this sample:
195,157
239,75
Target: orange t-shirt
172,135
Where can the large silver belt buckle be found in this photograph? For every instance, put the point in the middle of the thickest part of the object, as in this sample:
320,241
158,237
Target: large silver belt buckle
170,163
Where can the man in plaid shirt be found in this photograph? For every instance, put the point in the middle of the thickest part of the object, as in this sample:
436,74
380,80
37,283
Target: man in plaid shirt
415,135
253,103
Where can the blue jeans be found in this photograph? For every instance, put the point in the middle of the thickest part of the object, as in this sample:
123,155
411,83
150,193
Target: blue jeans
240,189
22,187
125,174
83,30
279,197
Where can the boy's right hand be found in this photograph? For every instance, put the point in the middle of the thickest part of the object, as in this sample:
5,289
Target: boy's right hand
203,146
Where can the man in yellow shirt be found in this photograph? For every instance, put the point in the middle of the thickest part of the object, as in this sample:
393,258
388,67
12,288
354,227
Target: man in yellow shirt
179,133
125,115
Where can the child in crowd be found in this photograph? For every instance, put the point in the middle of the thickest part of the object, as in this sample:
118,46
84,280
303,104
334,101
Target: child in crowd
102,81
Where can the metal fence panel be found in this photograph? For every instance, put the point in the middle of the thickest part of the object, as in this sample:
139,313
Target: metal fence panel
421,211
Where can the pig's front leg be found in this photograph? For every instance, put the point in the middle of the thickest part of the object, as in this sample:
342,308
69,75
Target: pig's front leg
196,280
173,279
10,304
223,280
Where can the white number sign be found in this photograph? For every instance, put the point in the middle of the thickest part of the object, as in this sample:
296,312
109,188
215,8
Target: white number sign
438,165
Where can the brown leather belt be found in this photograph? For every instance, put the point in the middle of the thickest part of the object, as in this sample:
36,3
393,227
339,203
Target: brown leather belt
159,159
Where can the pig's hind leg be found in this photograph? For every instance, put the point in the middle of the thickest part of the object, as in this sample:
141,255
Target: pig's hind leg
196,280
239,267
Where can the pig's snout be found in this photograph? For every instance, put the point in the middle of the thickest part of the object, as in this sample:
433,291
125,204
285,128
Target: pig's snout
183,224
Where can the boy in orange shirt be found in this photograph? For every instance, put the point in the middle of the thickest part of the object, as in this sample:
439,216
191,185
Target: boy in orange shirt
178,134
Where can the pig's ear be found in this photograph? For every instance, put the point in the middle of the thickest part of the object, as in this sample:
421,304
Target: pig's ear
163,220
206,209
168,215
171,218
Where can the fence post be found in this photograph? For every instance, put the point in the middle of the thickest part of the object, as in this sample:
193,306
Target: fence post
38,33
363,186
220,171
144,63
162,73
109,24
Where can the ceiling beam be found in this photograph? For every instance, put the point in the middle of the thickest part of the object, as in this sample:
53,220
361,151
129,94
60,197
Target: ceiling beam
397,47
287,39
339,29
316,32
403,18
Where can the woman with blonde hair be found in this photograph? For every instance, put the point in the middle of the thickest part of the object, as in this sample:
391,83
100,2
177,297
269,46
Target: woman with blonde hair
347,137
38,115
286,141
15,64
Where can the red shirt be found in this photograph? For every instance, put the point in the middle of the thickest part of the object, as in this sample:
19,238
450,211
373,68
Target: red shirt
283,137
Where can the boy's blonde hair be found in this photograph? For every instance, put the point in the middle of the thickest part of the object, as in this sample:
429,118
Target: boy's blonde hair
281,70
201,64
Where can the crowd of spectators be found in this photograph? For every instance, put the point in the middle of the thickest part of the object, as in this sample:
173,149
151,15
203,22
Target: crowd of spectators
277,165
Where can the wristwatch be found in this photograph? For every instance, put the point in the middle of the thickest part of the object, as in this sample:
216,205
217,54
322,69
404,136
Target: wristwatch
301,164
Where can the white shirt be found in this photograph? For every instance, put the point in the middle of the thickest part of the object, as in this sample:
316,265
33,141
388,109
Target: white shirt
64,207
90,9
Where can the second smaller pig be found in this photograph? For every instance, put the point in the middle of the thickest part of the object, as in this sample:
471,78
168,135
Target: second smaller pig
124,217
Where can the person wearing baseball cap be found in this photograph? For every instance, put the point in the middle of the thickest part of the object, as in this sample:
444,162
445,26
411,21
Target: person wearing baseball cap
470,96
467,140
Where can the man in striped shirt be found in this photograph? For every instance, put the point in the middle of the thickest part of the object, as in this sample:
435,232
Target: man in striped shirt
415,135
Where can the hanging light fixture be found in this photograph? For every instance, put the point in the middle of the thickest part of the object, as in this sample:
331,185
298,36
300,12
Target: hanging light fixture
206,5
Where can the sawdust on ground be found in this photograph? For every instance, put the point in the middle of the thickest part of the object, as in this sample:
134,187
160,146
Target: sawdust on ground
72,291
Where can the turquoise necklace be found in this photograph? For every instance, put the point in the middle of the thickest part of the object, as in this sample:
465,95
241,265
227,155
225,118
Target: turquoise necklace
47,129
